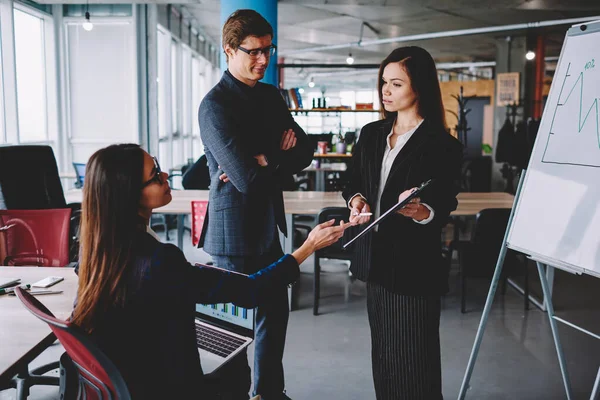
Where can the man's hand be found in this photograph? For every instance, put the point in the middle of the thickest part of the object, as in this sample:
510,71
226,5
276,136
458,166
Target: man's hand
288,140
223,177
262,160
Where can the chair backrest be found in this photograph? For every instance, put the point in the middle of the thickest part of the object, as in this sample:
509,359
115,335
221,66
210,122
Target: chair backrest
35,237
29,178
80,172
199,209
477,174
488,234
99,378
335,250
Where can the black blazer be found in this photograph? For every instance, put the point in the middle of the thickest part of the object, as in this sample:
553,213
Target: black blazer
236,123
405,256
152,337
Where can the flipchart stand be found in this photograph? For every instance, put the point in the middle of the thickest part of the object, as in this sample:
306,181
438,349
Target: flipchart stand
542,271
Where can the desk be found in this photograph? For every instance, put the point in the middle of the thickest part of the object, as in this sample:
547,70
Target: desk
22,335
332,155
312,202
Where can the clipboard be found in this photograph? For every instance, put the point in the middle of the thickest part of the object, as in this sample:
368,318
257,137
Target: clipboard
393,209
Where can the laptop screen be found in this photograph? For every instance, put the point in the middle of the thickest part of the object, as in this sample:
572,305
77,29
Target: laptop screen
228,312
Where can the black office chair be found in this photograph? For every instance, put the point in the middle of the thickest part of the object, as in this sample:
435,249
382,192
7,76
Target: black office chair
29,180
478,257
335,251
477,174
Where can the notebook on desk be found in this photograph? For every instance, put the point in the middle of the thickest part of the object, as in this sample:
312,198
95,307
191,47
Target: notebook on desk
222,331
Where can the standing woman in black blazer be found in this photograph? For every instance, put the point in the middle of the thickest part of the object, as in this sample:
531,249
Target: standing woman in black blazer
401,260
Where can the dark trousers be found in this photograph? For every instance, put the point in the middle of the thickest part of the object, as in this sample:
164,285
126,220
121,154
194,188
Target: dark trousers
405,340
269,336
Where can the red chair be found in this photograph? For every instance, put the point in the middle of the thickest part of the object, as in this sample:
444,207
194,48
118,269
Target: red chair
98,376
35,237
199,209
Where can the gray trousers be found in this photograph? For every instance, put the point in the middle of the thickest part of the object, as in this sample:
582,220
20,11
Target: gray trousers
271,321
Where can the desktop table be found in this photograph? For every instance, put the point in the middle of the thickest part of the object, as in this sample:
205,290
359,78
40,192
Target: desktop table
310,203
22,335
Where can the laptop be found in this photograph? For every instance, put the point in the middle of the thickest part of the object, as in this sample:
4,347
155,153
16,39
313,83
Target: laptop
222,331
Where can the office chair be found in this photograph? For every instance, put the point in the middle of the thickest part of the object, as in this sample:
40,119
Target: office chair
98,378
29,180
478,257
335,251
35,237
477,174
199,210
80,172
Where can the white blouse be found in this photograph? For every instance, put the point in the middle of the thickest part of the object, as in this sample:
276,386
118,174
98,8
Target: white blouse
389,156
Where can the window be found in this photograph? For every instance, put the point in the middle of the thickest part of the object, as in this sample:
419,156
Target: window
2,133
31,77
163,82
198,92
174,87
186,106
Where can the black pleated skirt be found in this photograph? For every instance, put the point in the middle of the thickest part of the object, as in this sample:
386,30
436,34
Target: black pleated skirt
405,340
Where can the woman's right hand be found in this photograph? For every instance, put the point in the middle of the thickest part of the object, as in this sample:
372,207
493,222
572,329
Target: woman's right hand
358,206
321,236
326,234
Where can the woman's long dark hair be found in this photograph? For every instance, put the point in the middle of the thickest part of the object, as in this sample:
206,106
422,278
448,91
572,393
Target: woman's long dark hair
420,67
109,221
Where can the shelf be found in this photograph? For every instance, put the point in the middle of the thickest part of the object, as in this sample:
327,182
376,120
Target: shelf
328,110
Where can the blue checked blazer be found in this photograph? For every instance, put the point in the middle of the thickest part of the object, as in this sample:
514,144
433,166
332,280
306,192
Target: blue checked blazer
236,123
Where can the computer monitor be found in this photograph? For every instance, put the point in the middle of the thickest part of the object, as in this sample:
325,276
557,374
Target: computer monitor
227,314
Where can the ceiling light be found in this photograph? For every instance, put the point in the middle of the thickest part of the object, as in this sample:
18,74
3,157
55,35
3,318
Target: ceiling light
87,25
530,55
311,83
350,59
301,90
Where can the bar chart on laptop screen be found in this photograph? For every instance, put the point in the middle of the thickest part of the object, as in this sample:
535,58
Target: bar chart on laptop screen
228,312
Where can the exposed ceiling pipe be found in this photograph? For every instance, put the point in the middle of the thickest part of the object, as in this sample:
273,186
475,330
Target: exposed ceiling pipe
437,35
439,66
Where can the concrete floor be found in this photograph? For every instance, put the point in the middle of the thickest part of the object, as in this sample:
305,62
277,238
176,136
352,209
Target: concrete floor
328,356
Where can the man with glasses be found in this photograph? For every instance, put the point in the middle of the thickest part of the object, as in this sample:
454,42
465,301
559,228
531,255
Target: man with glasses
252,145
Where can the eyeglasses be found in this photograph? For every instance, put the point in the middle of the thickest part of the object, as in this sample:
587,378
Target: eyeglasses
157,175
256,53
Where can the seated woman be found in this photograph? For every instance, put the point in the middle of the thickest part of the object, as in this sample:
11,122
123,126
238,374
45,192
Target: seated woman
137,296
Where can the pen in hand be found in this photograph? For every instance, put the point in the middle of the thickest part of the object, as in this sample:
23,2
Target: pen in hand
365,214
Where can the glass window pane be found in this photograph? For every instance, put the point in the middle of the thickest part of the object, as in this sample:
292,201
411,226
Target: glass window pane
31,79
163,82
174,91
196,94
2,134
186,87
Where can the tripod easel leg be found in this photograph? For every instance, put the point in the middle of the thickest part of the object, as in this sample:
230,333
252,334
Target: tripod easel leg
596,391
554,328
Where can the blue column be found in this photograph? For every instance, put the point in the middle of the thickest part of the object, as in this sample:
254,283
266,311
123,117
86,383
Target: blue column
266,8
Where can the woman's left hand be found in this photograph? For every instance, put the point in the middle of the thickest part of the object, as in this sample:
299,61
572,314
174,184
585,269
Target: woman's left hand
414,209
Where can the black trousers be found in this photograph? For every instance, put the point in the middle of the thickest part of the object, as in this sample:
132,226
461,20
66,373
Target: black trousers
405,345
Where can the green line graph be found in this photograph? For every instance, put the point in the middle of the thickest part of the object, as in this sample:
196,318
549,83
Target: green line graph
585,116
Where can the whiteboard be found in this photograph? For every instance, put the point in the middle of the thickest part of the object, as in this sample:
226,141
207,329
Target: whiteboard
557,216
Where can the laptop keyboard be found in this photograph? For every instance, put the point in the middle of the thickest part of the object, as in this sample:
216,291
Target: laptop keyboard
217,342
